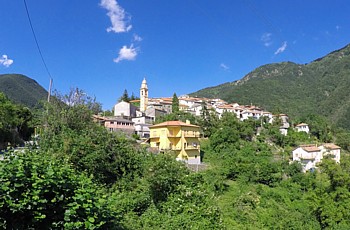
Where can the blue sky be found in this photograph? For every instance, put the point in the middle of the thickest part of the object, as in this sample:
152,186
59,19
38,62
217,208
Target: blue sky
106,46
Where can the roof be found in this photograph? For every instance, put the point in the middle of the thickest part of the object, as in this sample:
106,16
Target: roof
103,118
173,123
301,124
310,148
331,146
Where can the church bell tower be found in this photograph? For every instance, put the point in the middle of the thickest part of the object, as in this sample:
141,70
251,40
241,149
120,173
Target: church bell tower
143,96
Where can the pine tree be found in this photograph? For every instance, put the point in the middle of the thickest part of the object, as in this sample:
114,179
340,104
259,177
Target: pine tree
175,104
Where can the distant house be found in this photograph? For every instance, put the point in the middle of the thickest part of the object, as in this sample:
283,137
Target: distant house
142,125
310,155
284,123
302,127
153,112
125,109
116,124
178,137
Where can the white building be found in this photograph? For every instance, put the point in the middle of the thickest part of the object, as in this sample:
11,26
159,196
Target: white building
302,127
310,155
142,125
125,109
143,96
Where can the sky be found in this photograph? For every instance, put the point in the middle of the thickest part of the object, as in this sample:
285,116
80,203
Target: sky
180,46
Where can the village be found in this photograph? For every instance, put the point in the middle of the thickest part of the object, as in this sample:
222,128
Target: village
183,138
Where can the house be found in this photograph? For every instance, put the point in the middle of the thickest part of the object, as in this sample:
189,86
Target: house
310,155
178,137
302,127
142,125
284,119
332,150
125,109
116,124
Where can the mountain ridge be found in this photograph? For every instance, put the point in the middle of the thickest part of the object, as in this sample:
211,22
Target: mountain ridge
22,89
319,87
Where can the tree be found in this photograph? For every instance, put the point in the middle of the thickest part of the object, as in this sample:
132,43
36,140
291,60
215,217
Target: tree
124,97
70,133
15,123
44,193
175,104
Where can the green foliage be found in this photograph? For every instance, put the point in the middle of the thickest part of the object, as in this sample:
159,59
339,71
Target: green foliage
175,104
15,123
39,192
231,131
208,121
164,176
178,116
125,97
70,133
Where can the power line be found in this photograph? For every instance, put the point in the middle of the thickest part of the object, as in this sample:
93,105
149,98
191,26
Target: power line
36,40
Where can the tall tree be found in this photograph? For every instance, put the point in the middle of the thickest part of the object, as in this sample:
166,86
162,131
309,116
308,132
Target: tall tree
175,104
125,97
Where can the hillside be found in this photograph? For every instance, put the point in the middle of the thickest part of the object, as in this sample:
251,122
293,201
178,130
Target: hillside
22,89
320,87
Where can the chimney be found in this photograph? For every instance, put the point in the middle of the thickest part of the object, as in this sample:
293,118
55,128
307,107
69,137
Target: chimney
188,122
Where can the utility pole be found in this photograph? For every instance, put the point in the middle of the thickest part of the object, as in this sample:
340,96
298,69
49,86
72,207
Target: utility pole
49,94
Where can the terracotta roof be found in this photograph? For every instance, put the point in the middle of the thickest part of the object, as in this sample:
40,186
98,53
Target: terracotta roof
173,123
331,146
301,124
225,107
310,148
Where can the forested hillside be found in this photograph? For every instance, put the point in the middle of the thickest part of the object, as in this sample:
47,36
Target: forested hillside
320,87
22,89
81,176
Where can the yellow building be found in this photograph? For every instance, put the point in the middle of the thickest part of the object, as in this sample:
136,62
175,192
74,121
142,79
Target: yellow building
178,137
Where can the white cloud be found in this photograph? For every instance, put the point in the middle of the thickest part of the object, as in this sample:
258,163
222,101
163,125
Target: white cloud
223,66
126,53
282,48
137,38
266,39
5,61
117,16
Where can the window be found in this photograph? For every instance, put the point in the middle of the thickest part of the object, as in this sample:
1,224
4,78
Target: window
112,122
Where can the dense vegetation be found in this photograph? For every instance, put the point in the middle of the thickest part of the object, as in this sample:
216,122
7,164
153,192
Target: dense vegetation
16,123
21,89
84,177
320,87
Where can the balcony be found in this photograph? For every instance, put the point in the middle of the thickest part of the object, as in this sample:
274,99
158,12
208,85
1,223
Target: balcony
171,148
191,134
191,147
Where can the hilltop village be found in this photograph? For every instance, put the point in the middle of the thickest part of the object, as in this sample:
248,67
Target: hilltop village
130,118
137,117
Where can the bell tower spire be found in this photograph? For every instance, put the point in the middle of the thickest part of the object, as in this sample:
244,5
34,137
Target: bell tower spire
143,96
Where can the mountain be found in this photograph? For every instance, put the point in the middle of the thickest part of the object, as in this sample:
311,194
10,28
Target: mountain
22,89
320,87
